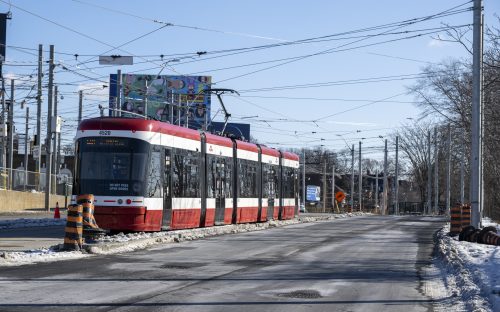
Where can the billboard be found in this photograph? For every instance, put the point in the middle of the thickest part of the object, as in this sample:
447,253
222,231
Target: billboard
177,99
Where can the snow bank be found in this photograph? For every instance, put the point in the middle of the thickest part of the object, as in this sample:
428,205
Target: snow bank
470,270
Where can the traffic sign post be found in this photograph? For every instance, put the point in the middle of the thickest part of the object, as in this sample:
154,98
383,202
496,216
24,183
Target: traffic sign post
339,196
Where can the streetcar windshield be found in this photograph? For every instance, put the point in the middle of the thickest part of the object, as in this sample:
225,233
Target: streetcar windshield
111,166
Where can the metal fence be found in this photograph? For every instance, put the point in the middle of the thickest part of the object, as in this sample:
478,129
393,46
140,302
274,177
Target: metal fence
29,181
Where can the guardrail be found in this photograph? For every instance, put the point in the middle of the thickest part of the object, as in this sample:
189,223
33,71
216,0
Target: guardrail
27,181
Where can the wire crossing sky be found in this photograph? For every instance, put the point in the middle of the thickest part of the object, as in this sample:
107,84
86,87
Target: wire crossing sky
326,73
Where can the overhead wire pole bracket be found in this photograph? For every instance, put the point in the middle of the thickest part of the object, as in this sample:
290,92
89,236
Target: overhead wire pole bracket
218,92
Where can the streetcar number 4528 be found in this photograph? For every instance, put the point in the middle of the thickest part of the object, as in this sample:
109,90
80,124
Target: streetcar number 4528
104,132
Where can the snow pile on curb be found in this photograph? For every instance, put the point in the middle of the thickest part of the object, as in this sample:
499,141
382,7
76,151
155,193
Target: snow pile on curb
22,222
472,271
51,254
135,241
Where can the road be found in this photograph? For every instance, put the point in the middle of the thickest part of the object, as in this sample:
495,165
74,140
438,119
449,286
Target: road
28,238
370,263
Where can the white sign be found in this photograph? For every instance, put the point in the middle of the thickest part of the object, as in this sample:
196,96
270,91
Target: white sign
56,124
36,152
116,60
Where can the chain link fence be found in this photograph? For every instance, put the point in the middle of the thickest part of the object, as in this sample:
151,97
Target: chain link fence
29,181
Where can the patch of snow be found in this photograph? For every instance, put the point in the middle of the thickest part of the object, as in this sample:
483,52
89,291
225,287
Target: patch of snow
469,272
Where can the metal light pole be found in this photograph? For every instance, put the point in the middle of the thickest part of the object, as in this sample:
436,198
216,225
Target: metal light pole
3,160
304,178
39,115
396,182
429,174
360,186
118,107
48,158
11,134
476,121
324,182
26,148
448,174
333,187
352,177
436,173
376,190
462,171
384,195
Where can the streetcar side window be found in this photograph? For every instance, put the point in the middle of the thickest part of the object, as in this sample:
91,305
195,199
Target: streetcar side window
154,173
219,175
289,176
248,185
186,173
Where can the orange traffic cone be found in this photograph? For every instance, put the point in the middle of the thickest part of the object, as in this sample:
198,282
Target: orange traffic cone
57,214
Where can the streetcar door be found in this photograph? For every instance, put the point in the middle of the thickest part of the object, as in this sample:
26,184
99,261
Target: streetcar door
271,186
220,196
167,193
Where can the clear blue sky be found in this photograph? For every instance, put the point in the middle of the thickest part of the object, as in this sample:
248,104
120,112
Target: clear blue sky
287,117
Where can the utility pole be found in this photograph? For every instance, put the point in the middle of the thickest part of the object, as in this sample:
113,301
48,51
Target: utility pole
39,115
58,152
4,125
11,134
376,190
429,173
26,148
324,182
352,177
462,171
171,108
80,106
48,158
476,122
304,178
118,94
448,174
360,187
384,195
436,173
145,100
333,187
54,139
396,182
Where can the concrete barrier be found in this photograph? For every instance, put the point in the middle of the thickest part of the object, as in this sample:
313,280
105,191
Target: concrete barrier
11,201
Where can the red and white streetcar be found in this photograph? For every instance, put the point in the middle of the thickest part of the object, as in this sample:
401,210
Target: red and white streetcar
148,175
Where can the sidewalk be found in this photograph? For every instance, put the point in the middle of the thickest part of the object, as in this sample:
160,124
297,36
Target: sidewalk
28,230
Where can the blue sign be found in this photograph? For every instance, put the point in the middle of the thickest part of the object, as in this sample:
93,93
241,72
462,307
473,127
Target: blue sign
313,193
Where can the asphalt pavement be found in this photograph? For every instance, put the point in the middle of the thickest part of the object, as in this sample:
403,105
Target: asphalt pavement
28,238
370,263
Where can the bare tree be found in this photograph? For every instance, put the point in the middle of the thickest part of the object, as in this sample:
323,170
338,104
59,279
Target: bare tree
445,97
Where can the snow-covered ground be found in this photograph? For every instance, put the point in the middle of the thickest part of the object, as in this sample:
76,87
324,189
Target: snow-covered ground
464,276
